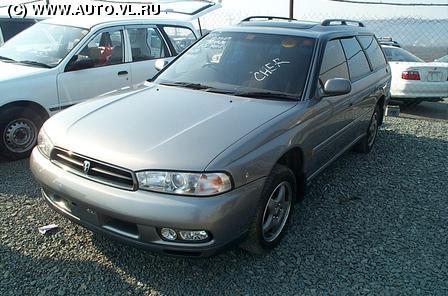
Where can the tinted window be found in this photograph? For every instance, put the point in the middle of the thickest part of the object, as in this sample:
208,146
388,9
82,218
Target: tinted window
12,28
1,36
245,62
146,44
373,51
180,37
334,64
357,61
395,54
105,49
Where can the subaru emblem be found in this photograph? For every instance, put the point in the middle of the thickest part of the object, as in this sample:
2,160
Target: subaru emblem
86,166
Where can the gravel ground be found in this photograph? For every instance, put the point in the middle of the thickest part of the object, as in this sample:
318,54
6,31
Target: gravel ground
371,224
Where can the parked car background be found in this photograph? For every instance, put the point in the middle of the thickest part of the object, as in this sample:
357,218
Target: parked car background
9,27
414,80
63,61
443,59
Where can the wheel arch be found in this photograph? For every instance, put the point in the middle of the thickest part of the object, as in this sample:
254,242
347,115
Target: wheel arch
39,109
294,159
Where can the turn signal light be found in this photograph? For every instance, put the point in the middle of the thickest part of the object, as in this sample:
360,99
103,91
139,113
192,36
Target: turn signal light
410,75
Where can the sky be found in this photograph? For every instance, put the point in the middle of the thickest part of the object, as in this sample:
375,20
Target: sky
305,9
335,9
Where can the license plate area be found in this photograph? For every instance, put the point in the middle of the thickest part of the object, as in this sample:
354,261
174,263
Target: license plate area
435,76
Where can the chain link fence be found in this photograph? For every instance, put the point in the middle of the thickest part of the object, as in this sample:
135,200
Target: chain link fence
426,38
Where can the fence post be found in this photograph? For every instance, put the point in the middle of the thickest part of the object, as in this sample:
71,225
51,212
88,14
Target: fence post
291,9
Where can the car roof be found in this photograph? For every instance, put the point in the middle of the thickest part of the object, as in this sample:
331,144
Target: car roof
27,18
300,27
89,22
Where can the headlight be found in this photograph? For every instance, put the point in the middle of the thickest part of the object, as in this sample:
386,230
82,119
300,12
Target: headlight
195,184
44,143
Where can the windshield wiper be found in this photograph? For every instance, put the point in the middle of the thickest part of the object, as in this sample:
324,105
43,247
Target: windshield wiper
190,85
267,95
34,63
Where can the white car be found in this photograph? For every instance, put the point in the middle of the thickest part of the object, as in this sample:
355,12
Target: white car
414,80
63,61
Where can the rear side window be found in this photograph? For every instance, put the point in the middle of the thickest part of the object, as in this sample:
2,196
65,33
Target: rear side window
334,64
12,28
373,51
146,44
181,38
357,61
1,36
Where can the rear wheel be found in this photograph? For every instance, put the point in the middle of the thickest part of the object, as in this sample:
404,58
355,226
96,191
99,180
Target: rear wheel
18,131
365,145
273,212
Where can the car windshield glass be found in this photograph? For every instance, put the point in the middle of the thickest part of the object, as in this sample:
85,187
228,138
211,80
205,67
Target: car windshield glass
235,62
400,55
42,44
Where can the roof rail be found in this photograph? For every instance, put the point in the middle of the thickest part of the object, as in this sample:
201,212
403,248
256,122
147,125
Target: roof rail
269,18
342,22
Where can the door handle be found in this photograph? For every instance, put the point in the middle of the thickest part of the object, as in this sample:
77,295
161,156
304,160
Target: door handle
121,73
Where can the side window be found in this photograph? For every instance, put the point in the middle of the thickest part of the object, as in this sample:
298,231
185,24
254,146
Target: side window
373,51
1,36
334,64
357,61
104,50
180,37
146,44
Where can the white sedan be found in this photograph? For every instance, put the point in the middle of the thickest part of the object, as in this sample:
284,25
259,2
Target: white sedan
414,80
63,61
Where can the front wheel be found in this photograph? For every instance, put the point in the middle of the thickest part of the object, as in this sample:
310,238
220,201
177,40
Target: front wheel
273,212
18,130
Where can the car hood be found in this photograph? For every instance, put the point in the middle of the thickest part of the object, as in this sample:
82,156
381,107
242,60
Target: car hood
9,71
160,127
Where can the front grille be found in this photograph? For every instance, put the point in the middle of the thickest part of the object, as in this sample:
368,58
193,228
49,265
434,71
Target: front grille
93,169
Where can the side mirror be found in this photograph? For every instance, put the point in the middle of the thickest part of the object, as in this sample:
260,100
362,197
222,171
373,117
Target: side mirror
337,87
160,64
75,64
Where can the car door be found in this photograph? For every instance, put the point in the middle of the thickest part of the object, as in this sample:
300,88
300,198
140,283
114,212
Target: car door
99,67
364,87
375,84
329,137
147,45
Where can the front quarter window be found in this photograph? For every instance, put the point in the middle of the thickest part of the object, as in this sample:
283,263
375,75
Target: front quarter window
181,38
243,62
42,44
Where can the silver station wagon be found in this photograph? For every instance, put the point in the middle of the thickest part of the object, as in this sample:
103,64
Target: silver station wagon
218,147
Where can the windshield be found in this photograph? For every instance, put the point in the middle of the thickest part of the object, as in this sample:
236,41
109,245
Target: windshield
400,55
43,44
237,62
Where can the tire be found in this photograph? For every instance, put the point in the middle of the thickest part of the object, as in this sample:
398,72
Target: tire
19,128
366,144
259,241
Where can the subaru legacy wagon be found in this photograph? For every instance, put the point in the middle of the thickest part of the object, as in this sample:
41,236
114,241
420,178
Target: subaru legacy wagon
217,149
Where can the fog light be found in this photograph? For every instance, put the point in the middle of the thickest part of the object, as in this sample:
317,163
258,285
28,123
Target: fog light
200,235
168,234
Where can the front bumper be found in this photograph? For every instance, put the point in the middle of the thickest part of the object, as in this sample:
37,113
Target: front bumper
134,217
